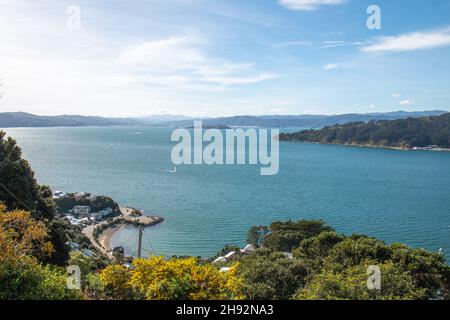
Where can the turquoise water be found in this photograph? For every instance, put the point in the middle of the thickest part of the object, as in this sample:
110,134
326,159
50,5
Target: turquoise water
396,196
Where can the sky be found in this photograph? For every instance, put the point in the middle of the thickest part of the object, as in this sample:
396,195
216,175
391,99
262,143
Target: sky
222,58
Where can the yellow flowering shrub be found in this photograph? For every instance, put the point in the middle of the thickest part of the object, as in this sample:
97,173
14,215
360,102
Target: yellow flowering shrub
22,235
159,279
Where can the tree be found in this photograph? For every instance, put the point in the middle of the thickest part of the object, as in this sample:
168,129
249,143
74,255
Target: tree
18,187
23,240
403,133
19,190
351,284
21,235
313,251
271,276
288,235
256,235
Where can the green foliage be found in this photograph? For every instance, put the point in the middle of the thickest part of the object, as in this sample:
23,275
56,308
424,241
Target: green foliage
313,251
85,263
97,203
27,280
351,284
256,235
285,236
227,249
355,250
327,265
270,275
403,133
22,190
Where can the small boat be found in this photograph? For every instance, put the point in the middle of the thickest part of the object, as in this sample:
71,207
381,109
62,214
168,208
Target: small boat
174,170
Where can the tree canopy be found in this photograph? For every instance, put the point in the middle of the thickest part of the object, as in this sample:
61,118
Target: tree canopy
403,133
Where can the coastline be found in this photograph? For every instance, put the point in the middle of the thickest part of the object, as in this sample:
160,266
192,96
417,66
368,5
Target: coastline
102,241
370,146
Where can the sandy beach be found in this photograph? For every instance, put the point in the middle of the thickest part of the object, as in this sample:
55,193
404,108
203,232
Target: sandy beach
103,242
105,237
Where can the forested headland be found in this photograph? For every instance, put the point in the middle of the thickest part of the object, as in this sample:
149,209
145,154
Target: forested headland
425,132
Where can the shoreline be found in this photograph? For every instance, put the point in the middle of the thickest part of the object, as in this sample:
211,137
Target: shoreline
103,240
106,236
370,146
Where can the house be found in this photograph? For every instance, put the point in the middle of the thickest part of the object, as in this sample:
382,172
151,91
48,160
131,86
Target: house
58,194
97,216
248,248
106,212
230,254
219,260
81,211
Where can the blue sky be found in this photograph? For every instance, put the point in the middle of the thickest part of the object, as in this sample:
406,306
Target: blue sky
220,58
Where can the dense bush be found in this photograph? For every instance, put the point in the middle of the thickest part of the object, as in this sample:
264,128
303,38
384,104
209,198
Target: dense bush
403,133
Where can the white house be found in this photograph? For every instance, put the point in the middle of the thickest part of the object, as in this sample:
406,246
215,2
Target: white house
58,194
248,248
230,254
82,211
219,260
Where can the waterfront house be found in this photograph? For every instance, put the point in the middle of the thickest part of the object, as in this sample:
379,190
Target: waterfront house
219,260
248,248
230,254
81,211
58,194
102,214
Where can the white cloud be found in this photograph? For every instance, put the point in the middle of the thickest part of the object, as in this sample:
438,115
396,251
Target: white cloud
340,43
179,60
307,5
292,44
333,66
88,72
411,42
396,95
407,102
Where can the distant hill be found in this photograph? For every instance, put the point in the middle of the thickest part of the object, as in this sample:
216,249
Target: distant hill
163,118
22,119
425,132
303,121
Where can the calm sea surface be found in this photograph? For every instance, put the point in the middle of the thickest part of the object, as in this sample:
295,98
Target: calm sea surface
392,195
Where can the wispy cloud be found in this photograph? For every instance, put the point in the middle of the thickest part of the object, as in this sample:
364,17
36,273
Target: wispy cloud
308,5
396,95
333,66
340,43
407,102
292,44
411,42
176,61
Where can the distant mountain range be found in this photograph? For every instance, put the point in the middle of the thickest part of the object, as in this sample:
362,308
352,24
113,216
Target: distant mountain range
303,121
22,119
